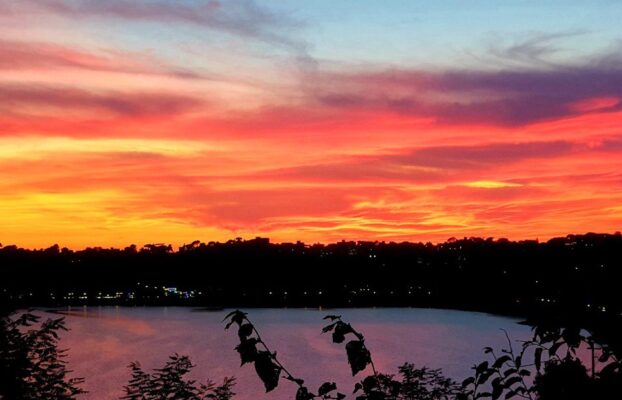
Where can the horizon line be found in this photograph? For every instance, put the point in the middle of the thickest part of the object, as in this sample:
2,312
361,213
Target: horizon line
267,240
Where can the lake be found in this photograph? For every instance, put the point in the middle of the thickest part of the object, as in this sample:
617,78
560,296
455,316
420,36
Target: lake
102,341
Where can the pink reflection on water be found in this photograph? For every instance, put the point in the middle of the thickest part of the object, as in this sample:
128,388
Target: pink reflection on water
103,341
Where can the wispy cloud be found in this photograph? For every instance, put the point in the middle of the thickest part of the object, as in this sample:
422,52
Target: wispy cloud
243,18
24,55
532,49
428,165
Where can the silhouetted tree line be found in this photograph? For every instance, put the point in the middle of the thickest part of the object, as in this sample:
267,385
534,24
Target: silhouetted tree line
576,273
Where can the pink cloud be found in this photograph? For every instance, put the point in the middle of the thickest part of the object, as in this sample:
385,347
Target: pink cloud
20,55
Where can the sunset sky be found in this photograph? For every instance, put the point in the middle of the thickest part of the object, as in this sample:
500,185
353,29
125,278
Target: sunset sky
168,121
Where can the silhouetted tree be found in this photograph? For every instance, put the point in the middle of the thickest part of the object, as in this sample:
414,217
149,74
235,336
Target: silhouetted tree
169,383
31,365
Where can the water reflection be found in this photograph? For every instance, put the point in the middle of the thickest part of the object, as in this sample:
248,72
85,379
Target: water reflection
102,342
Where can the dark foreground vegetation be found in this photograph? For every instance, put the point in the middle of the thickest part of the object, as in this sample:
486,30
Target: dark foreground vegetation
561,362
576,273
547,367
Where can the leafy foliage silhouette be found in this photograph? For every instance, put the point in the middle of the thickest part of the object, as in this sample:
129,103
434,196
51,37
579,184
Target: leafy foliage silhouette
557,369
31,365
267,365
415,383
554,371
168,383
358,355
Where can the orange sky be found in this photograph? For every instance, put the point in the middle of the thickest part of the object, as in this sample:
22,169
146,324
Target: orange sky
137,122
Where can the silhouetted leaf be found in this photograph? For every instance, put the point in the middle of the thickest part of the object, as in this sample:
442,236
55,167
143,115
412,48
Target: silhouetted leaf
370,383
497,391
303,394
248,350
267,370
500,361
299,382
481,367
483,377
358,356
236,316
510,371
341,329
328,328
572,336
468,381
538,358
326,387
245,331
496,381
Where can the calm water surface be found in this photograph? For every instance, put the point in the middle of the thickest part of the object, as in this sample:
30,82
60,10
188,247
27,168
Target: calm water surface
103,341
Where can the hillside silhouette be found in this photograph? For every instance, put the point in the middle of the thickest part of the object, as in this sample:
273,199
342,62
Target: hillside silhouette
578,273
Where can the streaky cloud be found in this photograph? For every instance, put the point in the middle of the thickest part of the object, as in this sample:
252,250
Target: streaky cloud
243,18
16,55
508,97
19,98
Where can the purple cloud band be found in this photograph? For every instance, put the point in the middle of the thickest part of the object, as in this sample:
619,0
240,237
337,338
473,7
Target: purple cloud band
12,97
505,97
